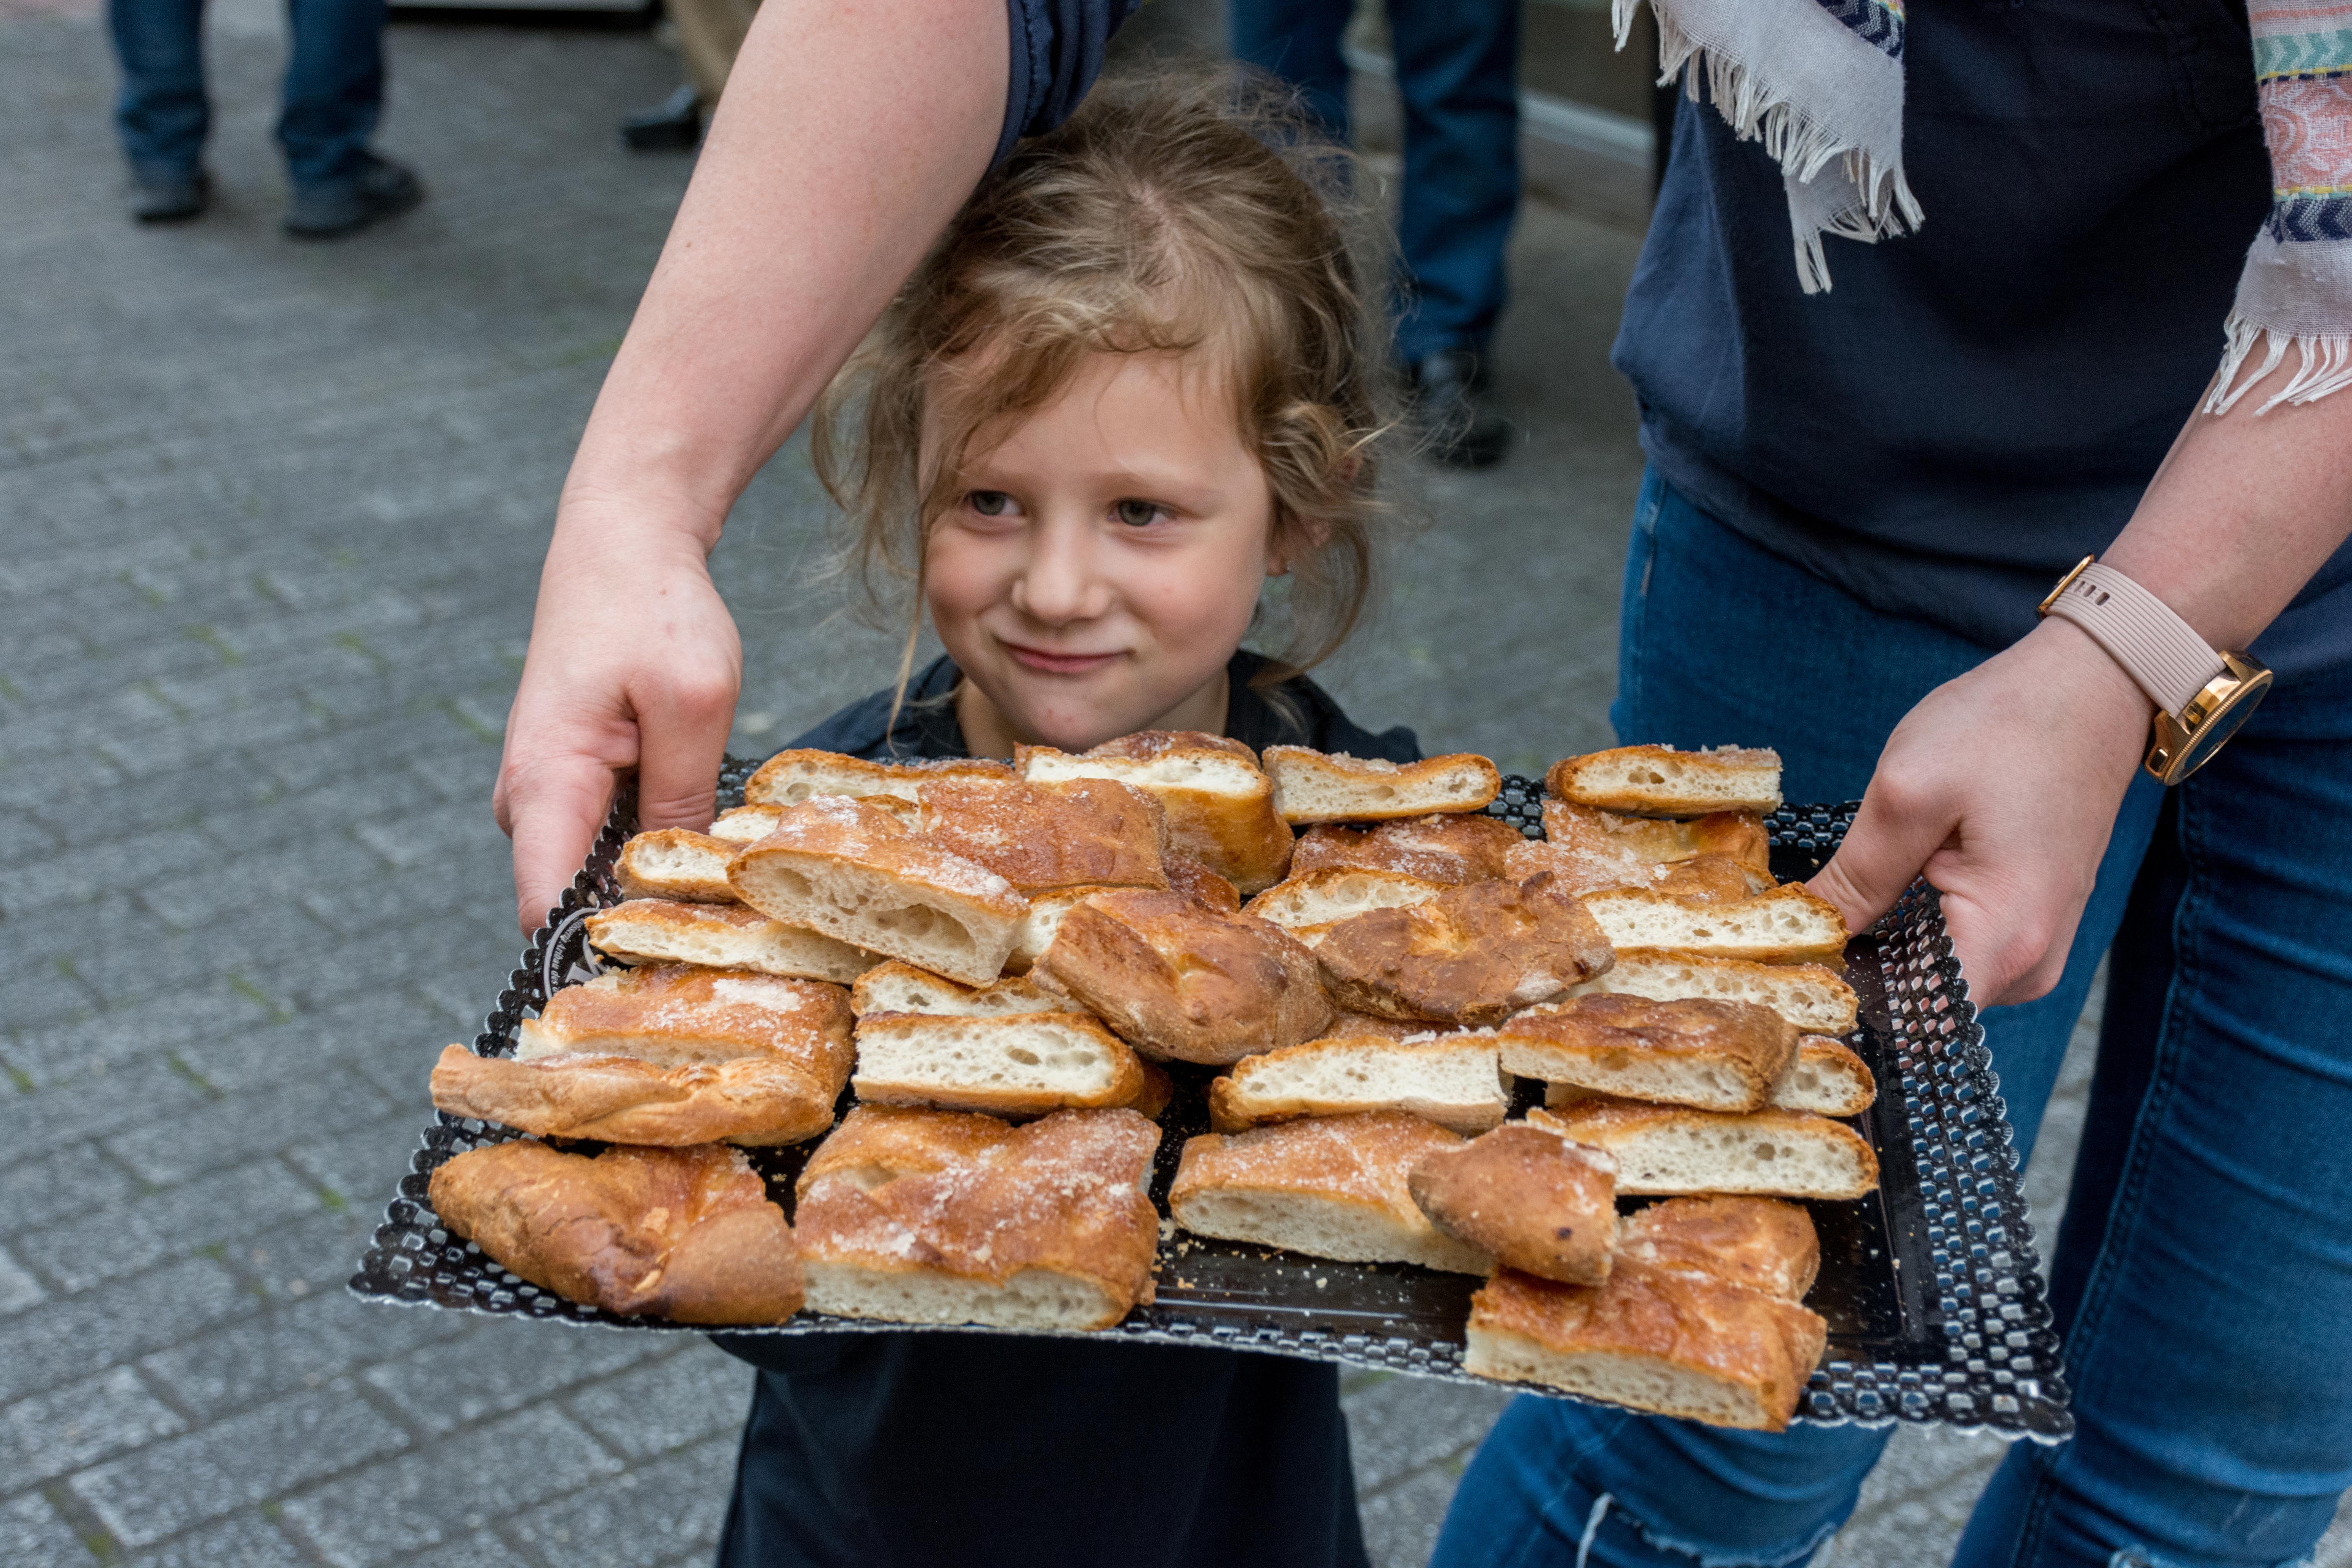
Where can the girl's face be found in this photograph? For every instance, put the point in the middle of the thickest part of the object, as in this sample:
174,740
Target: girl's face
1103,560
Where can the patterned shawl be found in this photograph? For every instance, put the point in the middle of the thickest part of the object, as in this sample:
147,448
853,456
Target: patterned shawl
1820,84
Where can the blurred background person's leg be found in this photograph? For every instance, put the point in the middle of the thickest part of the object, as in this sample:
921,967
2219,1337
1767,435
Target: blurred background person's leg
333,98
161,112
1298,40
709,35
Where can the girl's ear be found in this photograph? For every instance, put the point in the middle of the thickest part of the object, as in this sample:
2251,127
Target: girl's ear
1292,538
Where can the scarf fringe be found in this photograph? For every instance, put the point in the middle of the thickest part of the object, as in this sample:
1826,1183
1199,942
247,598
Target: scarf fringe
2324,366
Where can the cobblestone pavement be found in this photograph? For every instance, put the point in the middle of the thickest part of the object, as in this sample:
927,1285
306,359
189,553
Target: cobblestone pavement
275,515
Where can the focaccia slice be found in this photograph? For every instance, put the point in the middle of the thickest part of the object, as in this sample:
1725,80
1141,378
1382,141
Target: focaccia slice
1658,781
1452,1079
753,1099
1017,1064
722,936
1218,800
1450,848
1714,1056
672,1014
795,777
1813,998
1332,786
1087,832
1672,1150
1733,835
1787,925
1338,893
672,863
1528,1196
1471,955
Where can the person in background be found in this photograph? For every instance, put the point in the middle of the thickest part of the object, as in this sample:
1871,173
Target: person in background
709,35
1458,70
333,96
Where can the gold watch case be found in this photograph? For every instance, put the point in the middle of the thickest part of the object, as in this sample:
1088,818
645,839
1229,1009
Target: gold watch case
2182,745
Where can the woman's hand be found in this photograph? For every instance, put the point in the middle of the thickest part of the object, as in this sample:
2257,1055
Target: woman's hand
2002,787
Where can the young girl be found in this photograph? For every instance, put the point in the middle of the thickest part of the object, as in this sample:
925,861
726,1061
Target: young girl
1139,375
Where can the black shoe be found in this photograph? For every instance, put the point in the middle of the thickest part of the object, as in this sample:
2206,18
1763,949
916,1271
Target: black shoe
1459,430
169,195
675,125
378,189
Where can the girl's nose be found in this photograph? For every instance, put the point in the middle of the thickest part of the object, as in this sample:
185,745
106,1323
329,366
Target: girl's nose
1058,584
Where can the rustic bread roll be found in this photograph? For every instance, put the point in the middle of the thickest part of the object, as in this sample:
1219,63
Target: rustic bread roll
1471,955
1658,781
1328,897
1177,979
1332,786
674,1013
1017,1064
924,1217
1735,835
1040,837
1826,1078
1330,1186
758,1100
746,824
1787,925
856,873
1219,801
683,1233
1450,1080
1714,1056
1451,849
795,778
1702,879
672,863
895,987
1527,1196
1189,877
722,936
1756,1244
1039,926
1809,996
1668,1149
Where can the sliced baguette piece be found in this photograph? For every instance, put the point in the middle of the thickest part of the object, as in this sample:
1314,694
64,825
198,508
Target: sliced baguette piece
1332,786
856,873
1327,896
1039,837
1813,998
1450,1080
1450,848
1756,1244
1219,801
1658,781
795,777
1016,1064
746,824
1328,1186
1702,879
1672,1150
676,1013
895,987
1787,925
1736,834
757,1100
1826,1078
1039,926
1529,1197
1189,877
1471,955
722,936
676,864
1713,1056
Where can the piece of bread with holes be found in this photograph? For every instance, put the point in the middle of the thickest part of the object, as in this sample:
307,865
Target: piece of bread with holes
1527,1196
1714,1056
722,936
1328,1186
1332,786
1736,834
753,1099
795,777
683,1233
1219,801
1016,1064
1826,1078
1039,837
674,863
855,872
1178,980
1658,781
895,987
1813,998
1756,1244
1189,877
746,824
1047,912
1787,925
1670,1150
1327,896
1471,955
928,1216
1450,1080
1702,879
1451,848
672,1014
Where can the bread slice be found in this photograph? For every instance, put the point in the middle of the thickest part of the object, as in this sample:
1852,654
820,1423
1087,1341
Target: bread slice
1450,1080
1787,925
746,824
1331,1186
1756,1244
1714,1056
1332,786
1826,1078
673,863
1083,833
683,1233
674,1013
1658,781
1737,835
754,1099
895,987
1528,1196
1219,801
856,873
722,936
1189,877
926,1216
1039,925
795,778
1813,998
1327,896
1345,1025
1451,849
1016,1064
1471,955
1702,879
1665,1149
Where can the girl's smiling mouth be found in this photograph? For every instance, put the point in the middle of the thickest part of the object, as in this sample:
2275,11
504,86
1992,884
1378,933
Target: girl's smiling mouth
1052,663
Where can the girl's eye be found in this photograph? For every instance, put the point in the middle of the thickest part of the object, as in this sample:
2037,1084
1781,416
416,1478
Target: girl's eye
990,503
1138,513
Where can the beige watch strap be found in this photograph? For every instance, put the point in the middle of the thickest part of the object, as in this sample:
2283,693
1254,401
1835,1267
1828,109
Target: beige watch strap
2157,650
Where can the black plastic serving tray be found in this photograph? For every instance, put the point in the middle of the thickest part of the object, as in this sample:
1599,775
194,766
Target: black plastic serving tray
1931,1288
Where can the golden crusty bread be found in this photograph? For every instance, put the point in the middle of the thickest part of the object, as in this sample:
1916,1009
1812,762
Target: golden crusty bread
895,987
722,936
672,1014
1189,877
1219,801
794,777
746,824
1809,995
1039,924
1658,781
1715,1056
1330,1186
1329,896
1472,955
1702,879
1528,1197
1176,979
1735,835
1787,925
683,1233
755,1099
1450,1080
1826,1078
1332,786
1756,1244
1452,848
942,1217
673,863
1014,1064
1038,837
1672,1149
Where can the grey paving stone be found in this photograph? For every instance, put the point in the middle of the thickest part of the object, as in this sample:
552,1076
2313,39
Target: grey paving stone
18,1290
364,1165
82,1334
1399,1424
59,1186
670,1506
502,1366
700,1392
242,874
356,1031
142,1030
80,1424
314,1100
93,813
1401,1524
33,1536
241,1541
32,1124
479,1549
110,865
168,961
235,1463
307,1255
207,1211
297,1344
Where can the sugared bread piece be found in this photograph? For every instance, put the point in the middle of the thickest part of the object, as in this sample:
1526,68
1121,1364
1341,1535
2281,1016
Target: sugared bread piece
1813,998
926,1216
1177,979
1331,786
1040,837
672,1014
1326,897
1018,1064
1330,1186
1219,801
1471,955
1826,1078
1756,1244
1450,1080
683,1233
1735,835
1451,849
856,873
793,778
1787,925
673,863
1658,781
895,987
1715,1056
1669,1148
753,1099
1703,879
1528,1196
722,936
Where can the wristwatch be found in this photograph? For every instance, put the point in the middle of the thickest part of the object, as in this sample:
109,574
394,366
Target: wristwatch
2202,694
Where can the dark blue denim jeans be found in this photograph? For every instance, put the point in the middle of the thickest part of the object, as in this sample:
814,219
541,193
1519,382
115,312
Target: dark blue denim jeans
1457,65
333,96
2202,1278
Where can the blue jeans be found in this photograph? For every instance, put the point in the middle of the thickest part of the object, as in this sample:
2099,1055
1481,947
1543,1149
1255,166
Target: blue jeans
2203,1278
1457,65
334,91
